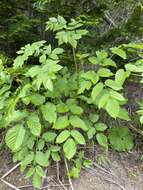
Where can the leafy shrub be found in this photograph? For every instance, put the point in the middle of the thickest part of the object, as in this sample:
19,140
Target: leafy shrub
51,109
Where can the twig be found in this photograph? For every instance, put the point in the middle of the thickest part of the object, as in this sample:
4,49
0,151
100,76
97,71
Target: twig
11,170
67,168
25,186
58,177
49,178
109,20
135,129
10,185
103,169
58,185
44,177
63,185
58,173
54,185
105,178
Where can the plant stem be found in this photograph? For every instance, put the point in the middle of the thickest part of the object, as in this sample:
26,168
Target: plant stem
67,168
74,56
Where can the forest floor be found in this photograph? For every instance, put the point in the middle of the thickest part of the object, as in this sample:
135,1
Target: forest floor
121,171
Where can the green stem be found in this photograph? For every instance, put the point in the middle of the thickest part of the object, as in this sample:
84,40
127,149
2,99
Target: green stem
74,56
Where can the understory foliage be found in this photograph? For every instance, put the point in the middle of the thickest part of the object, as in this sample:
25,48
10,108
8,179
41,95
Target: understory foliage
52,99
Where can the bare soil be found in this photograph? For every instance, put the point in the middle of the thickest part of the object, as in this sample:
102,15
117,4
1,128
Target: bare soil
124,172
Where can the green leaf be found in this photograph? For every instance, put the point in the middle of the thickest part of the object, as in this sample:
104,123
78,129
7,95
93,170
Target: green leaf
84,85
101,55
102,140
19,61
55,148
109,62
78,137
48,84
131,67
34,124
33,71
30,172
75,109
104,72
71,101
77,122
121,53
16,116
100,126
41,159
37,181
58,51
141,119
15,137
113,84
69,148
53,56
93,117
37,99
116,95
71,40
123,114
121,76
91,132
28,159
40,144
47,49
42,58
103,100
49,136
113,108
91,75
93,60
134,45
48,153
62,108
96,90
49,112
120,138
87,163
56,156
61,123
40,171
74,172
63,136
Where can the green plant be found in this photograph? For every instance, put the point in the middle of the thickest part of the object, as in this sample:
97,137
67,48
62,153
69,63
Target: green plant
120,138
140,112
50,108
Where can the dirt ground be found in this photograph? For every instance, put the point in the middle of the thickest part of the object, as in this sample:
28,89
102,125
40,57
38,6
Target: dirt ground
124,171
